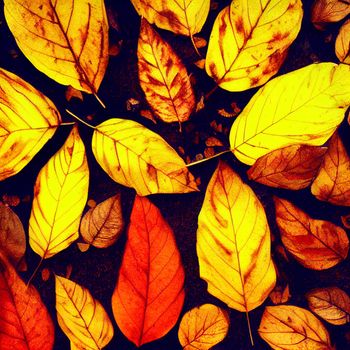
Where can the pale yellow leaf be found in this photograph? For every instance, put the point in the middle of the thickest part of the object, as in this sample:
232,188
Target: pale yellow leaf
233,242
65,39
60,194
249,41
275,116
81,317
136,157
342,43
28,119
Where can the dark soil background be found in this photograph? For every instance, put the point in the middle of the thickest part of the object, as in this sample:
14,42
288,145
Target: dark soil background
97,269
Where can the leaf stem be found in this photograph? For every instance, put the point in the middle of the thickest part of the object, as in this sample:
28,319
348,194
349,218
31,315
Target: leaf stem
249,329
66,124
81,120
195,47
209,158
35,271
100,101
211,92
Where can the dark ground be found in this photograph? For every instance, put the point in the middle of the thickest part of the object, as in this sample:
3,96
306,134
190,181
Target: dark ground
98,269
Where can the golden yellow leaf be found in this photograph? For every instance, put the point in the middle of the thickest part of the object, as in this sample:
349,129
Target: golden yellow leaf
342,43
66,40
287,327
60,194
316,244
28,119
163,77
136,157
102,225
332,304
249,41
203,327
81,317
275,116
185,17
332,183
233,242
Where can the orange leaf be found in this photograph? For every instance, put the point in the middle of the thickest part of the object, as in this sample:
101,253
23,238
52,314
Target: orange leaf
332,183
292,167
149,294
25,323
280,295
316,244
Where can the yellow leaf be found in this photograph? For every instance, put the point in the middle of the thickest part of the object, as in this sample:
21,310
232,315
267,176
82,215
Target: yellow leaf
81,317
233,242
60,195
342,43
332,183
275,116
249,41
185,17
163,77
287,327
28,119
66,40
136,157
203,327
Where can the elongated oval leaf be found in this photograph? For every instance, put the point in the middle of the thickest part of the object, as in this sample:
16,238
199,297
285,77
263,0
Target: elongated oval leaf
81,317
163,77
136,157
66,40
60,195
233,242
249,41
342,43
28,120
275,116
316,244
149,294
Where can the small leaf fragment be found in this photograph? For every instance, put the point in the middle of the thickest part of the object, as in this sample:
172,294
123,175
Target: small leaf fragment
280,294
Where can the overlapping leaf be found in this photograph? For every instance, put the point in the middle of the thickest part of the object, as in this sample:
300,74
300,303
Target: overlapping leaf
136,157
233,242
249,41
60,195
275,116
149,294
66,40
28,120
327,11
342,43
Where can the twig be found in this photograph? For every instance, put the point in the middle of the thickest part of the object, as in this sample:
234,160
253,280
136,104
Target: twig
81,120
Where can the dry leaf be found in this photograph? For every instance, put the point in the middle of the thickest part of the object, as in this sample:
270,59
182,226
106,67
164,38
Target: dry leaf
163,77
280,294
342,43
233,242
28,120
275,116
249,43
201,65
81,317
203,327
199,42
25,322
292,167
136,157
102,225
287,327
149,294
316,244
71,92
11,201
60,194
45,274
332,183
213,141
66,40
345,219
185,17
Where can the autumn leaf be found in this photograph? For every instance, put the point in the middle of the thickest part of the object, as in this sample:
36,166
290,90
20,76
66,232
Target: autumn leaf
185,17
316,244
293,167
60,195
342,43
280,294
332,183
136,157
149,294
102,225
28,119
331,304
286,327
233,243
163,77
275,116
81,317
248,44
25,322
66,40
203,327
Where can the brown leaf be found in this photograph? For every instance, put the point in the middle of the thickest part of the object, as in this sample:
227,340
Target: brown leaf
280,294
345,219
71,92
342,43
213,141
199,42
